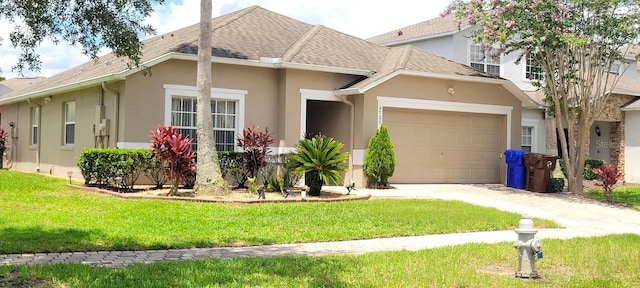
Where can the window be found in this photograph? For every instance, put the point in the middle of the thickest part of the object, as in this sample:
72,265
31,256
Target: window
35,119
533,68
527,138
615,68
69,123
223,113
486,61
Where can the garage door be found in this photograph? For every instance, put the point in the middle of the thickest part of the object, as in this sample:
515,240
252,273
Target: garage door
446,147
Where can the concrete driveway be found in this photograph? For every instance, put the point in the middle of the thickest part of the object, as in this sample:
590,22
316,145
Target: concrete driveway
581,217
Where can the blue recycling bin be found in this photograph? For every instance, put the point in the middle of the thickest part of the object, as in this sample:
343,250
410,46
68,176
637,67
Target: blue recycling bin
516,170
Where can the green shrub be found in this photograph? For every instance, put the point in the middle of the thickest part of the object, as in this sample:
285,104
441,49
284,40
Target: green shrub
155,171
113,167
589,164
379,158
321,160
555,185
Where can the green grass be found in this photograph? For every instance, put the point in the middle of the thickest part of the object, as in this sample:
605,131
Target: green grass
628,195
584,262
39,214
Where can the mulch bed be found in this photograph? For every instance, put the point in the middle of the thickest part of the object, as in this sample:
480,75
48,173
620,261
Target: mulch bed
235,196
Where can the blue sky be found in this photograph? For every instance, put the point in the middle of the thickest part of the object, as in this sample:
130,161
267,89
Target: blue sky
361,18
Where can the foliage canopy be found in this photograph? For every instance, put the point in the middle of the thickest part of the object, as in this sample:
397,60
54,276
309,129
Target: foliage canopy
93,24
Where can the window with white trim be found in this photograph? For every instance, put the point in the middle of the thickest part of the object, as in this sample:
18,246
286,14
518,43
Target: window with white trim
614,68
35,118
527,138
69,123
533,69
486,61
223,114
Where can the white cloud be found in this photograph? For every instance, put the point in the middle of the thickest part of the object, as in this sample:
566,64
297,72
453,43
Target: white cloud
361,18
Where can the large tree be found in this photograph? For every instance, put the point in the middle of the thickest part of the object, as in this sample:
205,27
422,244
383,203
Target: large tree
575,42
208,177
92,24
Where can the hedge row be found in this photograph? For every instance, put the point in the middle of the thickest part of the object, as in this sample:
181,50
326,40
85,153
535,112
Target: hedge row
113,167
120,168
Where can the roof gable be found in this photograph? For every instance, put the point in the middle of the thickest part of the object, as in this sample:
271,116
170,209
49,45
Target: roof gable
432,27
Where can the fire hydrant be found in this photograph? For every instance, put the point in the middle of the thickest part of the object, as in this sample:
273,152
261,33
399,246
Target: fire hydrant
529,248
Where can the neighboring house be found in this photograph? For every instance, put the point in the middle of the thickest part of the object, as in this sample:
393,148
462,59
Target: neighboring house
444,36
449,123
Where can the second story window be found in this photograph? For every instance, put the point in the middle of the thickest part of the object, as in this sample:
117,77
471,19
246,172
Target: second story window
533,68
486,61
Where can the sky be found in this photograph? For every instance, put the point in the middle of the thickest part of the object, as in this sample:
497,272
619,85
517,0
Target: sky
360,18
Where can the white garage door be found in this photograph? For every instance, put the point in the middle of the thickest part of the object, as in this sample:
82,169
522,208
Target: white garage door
446,147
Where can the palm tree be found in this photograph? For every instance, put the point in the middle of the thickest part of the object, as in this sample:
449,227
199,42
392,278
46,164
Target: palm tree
321,161
208,177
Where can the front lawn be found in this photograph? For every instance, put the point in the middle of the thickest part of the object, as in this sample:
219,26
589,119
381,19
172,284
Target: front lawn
40,214
628,195
610,261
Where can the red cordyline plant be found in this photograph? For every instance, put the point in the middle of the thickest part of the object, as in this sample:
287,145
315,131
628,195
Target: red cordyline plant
256,147
609,176
175,150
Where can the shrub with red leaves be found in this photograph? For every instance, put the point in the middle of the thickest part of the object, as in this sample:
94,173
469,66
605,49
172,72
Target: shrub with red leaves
256,147
175,150
609,176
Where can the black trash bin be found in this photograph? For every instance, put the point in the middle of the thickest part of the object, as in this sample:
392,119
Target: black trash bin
539,167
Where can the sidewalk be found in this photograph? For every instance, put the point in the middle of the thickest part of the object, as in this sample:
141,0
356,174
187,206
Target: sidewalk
581,219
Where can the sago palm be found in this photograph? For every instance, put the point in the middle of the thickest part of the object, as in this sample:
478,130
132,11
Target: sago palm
322,161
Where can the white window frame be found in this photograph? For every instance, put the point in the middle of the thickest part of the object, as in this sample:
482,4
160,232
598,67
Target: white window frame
532,131
222,94
35,119
487,59
536,124
528,66
68,122
615,68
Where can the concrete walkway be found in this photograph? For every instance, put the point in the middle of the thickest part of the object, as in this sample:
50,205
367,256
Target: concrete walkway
582,218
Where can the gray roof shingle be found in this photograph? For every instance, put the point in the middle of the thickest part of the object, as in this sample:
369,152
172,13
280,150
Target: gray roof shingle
253,33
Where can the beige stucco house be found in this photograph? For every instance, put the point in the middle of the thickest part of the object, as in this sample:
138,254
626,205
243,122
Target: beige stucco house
449,123
614,137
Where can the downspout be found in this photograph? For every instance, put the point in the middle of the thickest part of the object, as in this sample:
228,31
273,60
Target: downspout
38,145
116,113
351,136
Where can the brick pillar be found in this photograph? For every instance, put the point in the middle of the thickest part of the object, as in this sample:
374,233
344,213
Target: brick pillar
617,145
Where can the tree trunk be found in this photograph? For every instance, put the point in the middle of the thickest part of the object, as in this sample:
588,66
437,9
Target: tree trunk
208,177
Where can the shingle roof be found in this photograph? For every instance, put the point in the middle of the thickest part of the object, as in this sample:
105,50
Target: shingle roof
435,26
624,86
253,33
410,58
14,84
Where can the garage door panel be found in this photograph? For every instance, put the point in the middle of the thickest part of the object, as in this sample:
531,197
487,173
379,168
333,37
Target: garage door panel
446,147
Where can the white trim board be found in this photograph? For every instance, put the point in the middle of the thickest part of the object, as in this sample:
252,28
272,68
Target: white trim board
411,103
